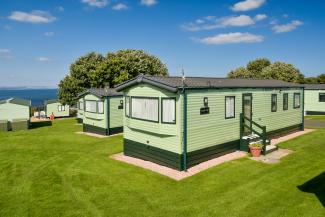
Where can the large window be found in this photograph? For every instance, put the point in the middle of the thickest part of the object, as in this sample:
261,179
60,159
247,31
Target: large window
229,107
145,108
296,100
127,106
321,97
168,110
285,101
274,102
91,106
61,108
100,107
81,105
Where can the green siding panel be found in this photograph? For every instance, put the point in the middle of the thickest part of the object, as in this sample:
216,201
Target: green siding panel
9,111
116,114
53,108
312,103
95,119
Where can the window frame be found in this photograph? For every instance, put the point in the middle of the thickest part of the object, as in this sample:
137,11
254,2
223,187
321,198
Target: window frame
287,101
234,115
276,102
294,100
81,107
97,106
61,106
129,110
319,94
162,110
96,112
144,97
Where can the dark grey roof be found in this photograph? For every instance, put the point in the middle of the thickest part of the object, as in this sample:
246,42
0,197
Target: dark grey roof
315,86
17,101
101,92
174,83
50,101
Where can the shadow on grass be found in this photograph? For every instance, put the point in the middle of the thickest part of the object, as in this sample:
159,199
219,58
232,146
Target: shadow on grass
35,125
317,186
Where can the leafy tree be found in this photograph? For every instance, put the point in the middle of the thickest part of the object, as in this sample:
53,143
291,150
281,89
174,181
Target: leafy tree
126,64
283,71
94,70
256,67
240,72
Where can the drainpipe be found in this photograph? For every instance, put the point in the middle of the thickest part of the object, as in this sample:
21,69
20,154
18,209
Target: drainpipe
302,128
185,131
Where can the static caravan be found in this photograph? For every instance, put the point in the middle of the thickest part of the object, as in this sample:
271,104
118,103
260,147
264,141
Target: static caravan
56,108
180,122
103,111
15,114
80,111
315,99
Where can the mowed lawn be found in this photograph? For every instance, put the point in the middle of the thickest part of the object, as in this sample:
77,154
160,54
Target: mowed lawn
51,171
315,117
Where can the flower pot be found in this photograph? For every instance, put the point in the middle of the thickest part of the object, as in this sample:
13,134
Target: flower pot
255,151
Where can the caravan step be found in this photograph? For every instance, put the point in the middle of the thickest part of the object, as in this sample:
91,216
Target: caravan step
260,141
251,136
271,148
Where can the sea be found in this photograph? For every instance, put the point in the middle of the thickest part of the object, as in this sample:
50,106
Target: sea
37,96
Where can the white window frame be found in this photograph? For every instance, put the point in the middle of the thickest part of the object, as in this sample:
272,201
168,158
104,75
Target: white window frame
61,108
295,101
100,107
143,109
171,120
81,107
233,115
127,106
90,101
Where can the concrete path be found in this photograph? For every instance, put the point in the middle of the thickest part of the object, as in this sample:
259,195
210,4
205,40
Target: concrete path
273,157
175,174
314,123
290,136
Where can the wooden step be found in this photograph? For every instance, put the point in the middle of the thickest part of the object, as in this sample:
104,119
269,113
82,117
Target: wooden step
271,148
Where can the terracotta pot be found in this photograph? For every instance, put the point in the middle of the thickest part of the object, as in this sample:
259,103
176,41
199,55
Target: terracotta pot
256,152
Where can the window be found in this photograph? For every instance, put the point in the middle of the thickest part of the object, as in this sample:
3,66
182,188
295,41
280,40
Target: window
296,100
81,105
121,105
321,97
127,106
100,106
61,108
285,101
274,102
229,107
205,109
91,106
168,110
145,108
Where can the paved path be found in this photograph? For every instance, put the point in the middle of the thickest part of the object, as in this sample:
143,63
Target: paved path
314,123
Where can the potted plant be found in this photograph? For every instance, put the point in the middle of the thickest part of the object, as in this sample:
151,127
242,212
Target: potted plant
256,149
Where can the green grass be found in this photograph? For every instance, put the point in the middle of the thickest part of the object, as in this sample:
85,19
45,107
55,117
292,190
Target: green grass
315,117
51,171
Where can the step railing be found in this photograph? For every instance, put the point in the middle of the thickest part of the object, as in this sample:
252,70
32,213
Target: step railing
252,128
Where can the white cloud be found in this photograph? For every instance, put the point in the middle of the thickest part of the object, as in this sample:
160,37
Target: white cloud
5,53
247,5
260,17
231,38
60,8
120,6
43,59
211,22
35,16
49,34
96,3
287,27
148,2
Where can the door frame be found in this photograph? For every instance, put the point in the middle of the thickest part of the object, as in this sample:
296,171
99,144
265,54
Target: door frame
243,107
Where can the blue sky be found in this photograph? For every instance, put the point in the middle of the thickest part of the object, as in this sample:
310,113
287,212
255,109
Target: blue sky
40,39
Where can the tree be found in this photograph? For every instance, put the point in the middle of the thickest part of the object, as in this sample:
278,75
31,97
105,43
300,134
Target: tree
240,72
256,67
127,64
283,71
95,71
